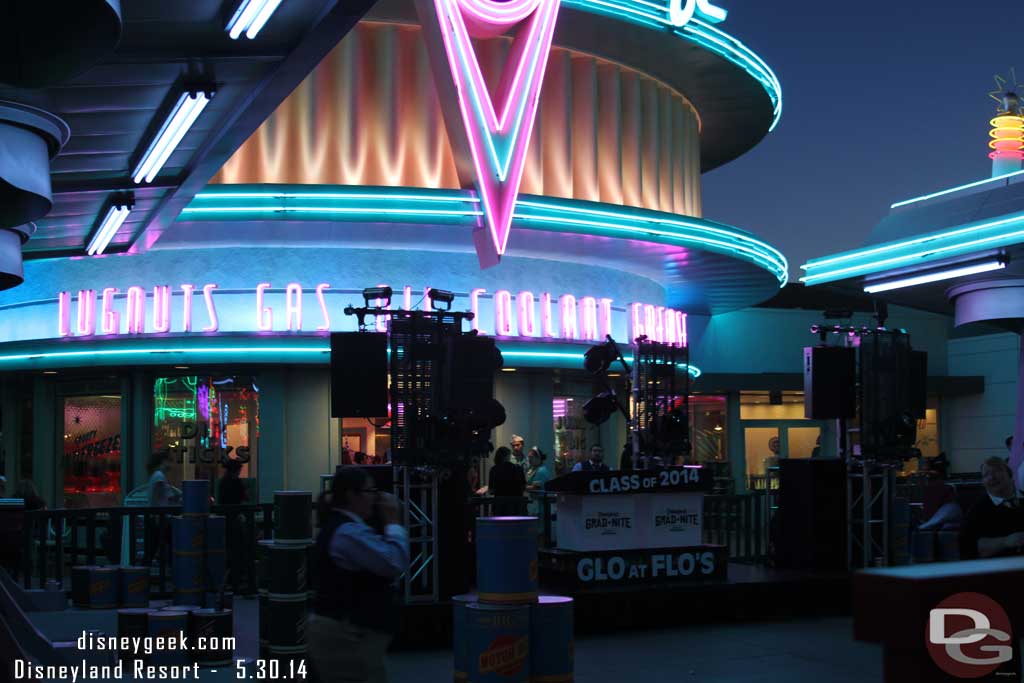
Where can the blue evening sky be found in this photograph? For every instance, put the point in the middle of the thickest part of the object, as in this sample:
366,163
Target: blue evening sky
882,101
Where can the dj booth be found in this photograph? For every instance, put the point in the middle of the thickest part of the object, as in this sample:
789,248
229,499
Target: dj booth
631,528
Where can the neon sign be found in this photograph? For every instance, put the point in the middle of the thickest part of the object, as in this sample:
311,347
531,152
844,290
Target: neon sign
496,130
579,318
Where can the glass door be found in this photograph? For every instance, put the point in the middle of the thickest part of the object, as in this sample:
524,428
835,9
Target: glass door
91,458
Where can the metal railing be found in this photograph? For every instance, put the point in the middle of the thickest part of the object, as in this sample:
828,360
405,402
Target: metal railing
739,522
53,541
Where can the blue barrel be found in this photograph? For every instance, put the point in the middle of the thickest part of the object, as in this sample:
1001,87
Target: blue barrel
103,587
506,559
551,642
189,535
293,517
497,641
288,568
460,605
172,625
134,586
216,533
215,570
132,622
215,627
195,497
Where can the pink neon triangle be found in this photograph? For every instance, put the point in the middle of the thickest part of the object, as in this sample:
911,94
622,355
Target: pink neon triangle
486,129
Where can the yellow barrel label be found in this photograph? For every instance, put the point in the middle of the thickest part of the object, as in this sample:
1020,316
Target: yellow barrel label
506,655
99,587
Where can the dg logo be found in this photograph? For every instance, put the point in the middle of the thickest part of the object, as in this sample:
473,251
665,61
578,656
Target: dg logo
969,635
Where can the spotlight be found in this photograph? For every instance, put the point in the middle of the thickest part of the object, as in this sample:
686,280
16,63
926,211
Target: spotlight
598,409
371,293
597,359
440,296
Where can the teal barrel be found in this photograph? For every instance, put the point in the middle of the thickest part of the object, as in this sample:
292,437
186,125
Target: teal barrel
103,587
293,517
497,641
195,497
133,586
189,535
215,571
286,622
132,622
551,639
211,628
460,606
506,559
169,624
288,569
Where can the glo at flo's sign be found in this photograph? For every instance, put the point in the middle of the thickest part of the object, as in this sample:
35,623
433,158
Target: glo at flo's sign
188,308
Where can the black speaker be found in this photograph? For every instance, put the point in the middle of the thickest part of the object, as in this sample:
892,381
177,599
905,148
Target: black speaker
917,384
810,528
359,374
829,382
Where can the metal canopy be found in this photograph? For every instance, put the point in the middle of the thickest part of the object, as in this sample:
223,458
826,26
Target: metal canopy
114,108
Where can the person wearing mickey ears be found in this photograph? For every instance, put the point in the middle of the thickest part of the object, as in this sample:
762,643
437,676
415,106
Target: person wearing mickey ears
361,551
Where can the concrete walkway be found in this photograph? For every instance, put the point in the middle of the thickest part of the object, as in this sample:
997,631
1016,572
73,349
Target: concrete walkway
784,652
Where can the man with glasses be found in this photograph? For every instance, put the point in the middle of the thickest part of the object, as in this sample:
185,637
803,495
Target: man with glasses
361,551
594,464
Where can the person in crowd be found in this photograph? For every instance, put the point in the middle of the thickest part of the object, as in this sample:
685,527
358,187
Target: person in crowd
995,525
506,479
1009,443
231,488
595,463
159,490
816,451
360,552
626,457
26,490
539,473
519,458
359,458
473,477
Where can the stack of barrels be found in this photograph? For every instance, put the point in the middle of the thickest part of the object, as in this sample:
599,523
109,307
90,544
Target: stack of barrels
283,566
199,572
507,632
109,587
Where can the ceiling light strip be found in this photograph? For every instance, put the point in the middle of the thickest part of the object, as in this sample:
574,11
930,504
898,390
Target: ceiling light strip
935,276
185,112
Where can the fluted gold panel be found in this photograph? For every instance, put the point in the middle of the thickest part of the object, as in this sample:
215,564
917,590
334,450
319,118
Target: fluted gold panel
369,115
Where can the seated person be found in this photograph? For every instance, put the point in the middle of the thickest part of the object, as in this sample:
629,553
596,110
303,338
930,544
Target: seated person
995,525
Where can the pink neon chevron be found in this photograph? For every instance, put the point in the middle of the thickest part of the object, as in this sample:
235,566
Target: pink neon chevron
498,138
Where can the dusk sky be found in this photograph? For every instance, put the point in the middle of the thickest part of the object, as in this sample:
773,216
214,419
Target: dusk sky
881,102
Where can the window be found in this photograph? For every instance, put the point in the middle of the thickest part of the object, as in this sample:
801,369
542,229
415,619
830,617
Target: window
92,451
203,420
708,418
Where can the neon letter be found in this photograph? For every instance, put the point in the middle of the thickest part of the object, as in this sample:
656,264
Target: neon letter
380,321
161,308
264,315
408,297
187,308
651,322
474,304
293,305
211,310
660,324
606,317
64,314
567,316
86,326
110,320
681,324
527,325
671,330
638,321
590,331
136,310
503,313
545,315
323,307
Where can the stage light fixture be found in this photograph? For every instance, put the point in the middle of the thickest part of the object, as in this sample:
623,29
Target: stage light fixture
250,17
597,359
117,211
440,296
186,110
598,409
372,293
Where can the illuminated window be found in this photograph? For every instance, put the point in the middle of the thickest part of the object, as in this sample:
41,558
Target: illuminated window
204,421
92,451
